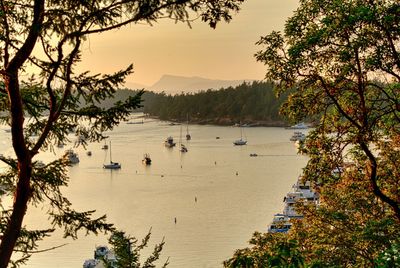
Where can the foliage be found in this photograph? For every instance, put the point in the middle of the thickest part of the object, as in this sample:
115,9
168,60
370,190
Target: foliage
268,250
248,103
348,229
45,37
332,53
341,61
127,251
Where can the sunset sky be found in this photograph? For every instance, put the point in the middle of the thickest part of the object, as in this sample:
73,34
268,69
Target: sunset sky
168,48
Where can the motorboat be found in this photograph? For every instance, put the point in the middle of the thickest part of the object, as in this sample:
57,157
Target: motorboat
169,142
101,253
301,192
280,224
91,263
104,147
298,136
72,156
290,201
306,189
146,159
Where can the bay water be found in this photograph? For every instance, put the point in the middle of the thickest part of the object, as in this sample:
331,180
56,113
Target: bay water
218,194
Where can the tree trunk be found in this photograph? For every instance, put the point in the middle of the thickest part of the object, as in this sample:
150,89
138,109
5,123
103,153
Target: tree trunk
23,191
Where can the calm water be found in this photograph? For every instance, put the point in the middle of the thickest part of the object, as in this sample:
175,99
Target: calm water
236,194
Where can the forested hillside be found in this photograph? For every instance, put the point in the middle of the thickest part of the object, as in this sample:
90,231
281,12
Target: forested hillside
251,103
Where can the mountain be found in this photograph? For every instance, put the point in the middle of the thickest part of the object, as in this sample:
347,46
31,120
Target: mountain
173,84
134,86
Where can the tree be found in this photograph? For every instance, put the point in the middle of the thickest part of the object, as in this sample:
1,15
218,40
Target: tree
127,251
58,99
340,61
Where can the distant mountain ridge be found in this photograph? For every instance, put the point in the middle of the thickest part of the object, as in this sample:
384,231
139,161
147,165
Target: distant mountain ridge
173,84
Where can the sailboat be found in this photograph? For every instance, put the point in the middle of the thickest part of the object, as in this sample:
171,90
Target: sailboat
112,165
183,148
241,141
188,137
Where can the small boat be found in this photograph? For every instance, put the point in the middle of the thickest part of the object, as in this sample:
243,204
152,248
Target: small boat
105,146
183,148
39,164
169,142
112,165
298,136
91,263
146,159
72,156
104,253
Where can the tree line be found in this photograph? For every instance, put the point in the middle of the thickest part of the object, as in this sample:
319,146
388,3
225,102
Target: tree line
249,103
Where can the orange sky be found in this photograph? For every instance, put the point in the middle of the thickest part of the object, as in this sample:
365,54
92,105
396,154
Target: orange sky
169,48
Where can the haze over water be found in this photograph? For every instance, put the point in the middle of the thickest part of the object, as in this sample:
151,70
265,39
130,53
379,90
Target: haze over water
229,207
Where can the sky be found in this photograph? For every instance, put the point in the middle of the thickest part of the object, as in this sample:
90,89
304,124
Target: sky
226,52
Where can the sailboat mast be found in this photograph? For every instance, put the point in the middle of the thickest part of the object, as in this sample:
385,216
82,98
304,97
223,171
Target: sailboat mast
110,153
180,136
187,124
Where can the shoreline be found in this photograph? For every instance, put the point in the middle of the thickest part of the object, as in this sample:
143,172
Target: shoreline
226,122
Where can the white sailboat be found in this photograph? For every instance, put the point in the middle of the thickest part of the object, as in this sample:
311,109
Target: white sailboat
240,141
112,165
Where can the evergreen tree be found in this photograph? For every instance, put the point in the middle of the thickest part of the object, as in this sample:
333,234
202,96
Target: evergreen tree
60,99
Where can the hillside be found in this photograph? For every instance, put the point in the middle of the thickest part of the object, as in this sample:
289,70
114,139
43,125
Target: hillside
249,103
172,84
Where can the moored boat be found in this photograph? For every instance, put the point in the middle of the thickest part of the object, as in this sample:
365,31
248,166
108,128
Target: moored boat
112,165
146,159
280,224
183,148
240,141
73,158
169,142
298,136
